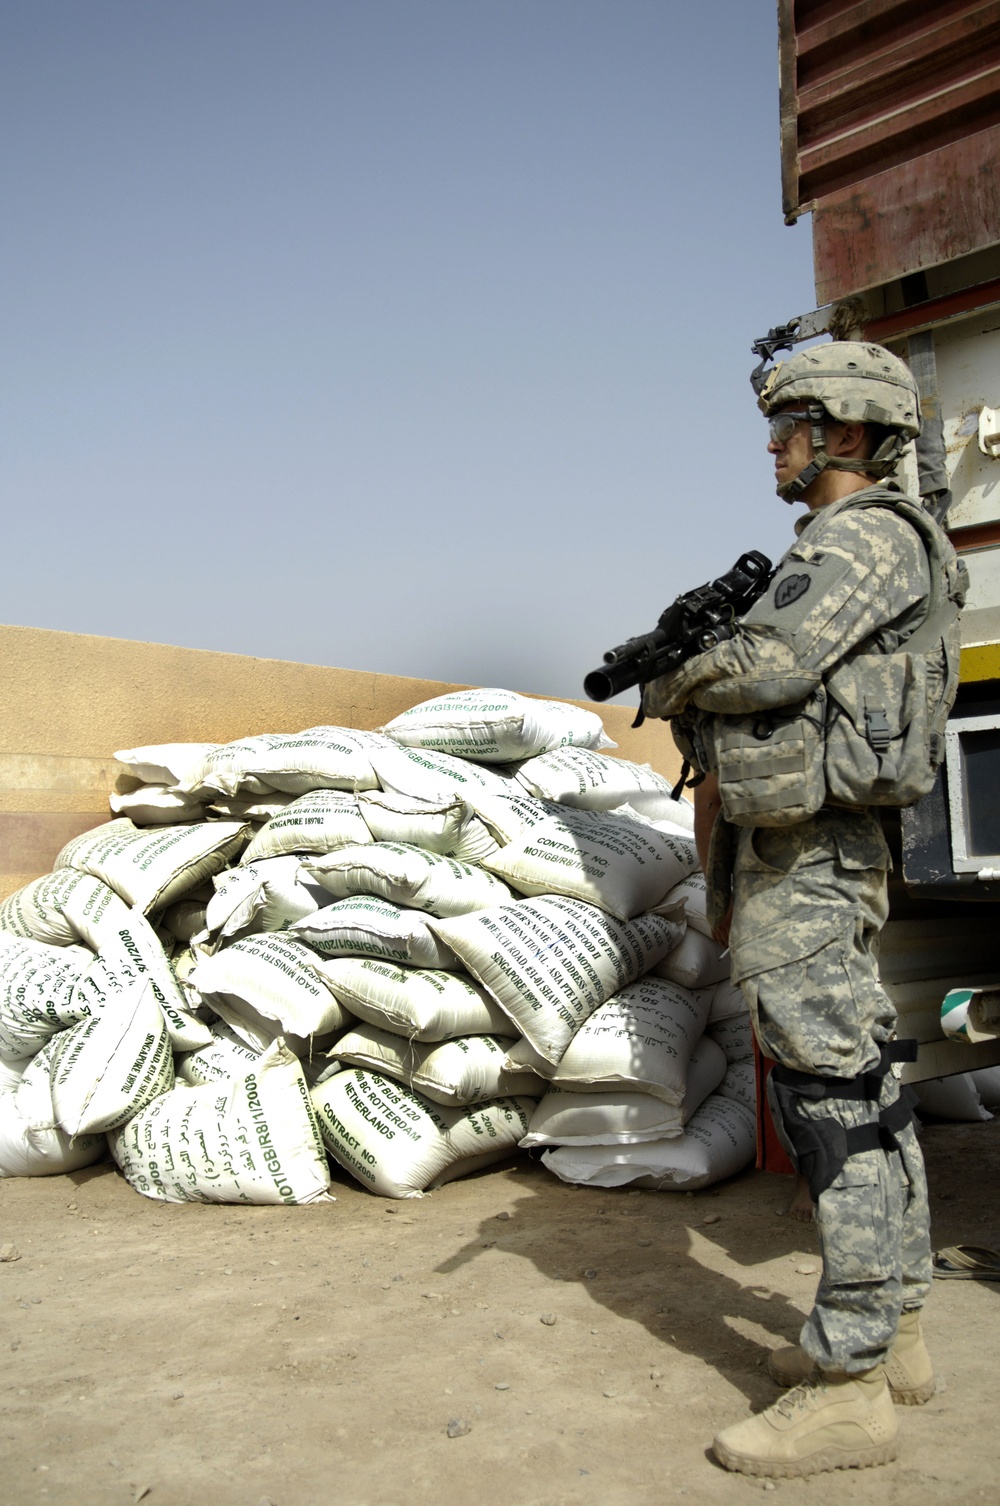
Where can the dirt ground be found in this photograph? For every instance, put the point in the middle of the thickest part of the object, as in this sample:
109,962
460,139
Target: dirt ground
215,1356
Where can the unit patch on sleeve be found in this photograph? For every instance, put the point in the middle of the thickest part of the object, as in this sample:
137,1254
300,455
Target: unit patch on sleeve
790,589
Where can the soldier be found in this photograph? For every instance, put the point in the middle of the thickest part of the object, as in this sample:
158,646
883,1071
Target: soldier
803,723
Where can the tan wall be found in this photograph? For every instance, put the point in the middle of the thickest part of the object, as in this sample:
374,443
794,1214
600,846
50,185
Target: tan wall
69,700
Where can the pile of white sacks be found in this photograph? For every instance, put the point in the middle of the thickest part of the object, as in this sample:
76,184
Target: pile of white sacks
411,950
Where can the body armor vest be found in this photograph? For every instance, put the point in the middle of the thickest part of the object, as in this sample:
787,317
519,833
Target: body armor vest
872,733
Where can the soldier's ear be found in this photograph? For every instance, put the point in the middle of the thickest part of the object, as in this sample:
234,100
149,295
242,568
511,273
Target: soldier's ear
848,440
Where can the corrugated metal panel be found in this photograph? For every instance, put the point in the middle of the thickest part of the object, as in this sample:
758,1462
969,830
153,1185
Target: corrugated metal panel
920,214
890,128
869,84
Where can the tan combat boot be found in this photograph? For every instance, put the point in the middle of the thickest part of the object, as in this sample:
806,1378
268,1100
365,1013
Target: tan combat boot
908,1368
833,1421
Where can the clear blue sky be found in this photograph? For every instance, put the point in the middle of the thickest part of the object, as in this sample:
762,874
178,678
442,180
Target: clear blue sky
407,335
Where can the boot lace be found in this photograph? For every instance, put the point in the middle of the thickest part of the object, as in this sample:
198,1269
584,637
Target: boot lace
799,1399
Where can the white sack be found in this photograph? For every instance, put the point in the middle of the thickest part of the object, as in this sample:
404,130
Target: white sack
133,948
253,808
399,1143
509,815
92,909
320,821
253,1142
84,906
697,962
740,1082
11,1073
62,908
164,763
594,782
477,842
31,1143
33,911
156,805
469,1069
152,868
641,1039
29,1151
619,1116
522,1057
407,876
735,1036
447,826
264,896
688,900
496,726
728,1003
426,774
434,825
33,1094
472,1069
672,815
224,1058
485,1132
621,864
954,1098
549,963
117,1059
366,926
167,942
987,1085
333,758
615,1117
423,1004
719,1141
186,919
37,993
182,963
268,985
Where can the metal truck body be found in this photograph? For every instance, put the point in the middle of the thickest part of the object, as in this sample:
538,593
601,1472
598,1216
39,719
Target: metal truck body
890,136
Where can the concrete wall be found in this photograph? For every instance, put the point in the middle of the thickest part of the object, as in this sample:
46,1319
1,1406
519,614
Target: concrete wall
69,700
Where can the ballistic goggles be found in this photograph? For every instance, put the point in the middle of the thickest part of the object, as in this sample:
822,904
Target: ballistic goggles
782,426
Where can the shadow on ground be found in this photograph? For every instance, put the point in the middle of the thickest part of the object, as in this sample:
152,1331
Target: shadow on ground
666,1260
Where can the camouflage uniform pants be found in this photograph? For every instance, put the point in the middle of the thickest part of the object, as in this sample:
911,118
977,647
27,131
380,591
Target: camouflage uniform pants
810,901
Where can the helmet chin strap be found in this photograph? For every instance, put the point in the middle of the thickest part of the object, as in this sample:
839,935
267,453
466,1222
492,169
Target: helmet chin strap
879,466
791,491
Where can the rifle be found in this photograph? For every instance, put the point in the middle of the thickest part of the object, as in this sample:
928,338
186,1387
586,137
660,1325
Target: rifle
696,621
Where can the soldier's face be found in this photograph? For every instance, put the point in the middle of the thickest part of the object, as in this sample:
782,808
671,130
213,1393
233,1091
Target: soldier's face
795,453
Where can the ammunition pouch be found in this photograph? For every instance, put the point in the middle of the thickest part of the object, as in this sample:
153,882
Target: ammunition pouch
885,733
770,763
820,1148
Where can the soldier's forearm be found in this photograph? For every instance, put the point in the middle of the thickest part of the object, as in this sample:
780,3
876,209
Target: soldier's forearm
707,804
754,672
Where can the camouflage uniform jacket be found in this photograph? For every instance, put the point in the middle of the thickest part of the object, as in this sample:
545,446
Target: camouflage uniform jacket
856,576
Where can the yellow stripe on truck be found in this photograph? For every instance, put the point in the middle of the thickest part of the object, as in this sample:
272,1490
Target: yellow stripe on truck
980,661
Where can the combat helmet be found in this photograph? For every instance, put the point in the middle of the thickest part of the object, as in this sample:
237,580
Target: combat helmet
848,381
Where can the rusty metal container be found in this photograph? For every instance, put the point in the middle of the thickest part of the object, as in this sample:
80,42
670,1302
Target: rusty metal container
890,134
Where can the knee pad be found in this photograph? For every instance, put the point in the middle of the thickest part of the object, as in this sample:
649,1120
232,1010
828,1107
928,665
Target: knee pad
820,1148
